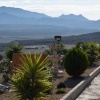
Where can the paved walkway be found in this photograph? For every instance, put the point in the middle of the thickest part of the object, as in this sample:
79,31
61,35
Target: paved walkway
92,92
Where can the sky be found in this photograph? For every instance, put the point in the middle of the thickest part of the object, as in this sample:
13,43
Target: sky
88,8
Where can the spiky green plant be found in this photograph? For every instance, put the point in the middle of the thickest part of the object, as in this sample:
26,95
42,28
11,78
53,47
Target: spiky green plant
32,80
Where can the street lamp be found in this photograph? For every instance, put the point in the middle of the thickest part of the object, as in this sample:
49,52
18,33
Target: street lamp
58,39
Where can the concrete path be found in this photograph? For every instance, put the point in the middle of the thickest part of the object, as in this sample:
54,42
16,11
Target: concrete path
92,92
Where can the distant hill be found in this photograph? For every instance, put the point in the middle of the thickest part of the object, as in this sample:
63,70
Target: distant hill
90,37
6,18
21,13
94,37
39,31
73,17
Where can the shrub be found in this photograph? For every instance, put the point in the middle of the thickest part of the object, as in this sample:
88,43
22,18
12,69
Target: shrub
5,77
75,62
1,91
48,51
92,50
1,57
50,63
2,68
60,91
61,85
32,80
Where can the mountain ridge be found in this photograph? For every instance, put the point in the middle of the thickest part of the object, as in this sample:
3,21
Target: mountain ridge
20,16
21,13
75,17
18,12
73,39
43,25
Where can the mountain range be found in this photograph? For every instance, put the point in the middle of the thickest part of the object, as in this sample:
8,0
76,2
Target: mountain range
19,22
21,13
11,15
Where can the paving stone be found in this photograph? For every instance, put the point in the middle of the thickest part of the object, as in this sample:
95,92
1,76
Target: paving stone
92,92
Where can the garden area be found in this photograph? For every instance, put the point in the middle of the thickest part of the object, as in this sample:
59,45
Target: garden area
38,81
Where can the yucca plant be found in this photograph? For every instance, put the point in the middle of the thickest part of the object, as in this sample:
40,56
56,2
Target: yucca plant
32,80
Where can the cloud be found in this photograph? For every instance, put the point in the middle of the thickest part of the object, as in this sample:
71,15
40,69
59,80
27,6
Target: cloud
63,2
7,3
89,8
55,2
91,12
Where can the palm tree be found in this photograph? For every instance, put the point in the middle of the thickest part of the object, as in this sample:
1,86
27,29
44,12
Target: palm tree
32,80
14,48
91,49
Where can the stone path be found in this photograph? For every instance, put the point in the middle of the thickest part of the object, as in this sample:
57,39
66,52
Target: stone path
92,92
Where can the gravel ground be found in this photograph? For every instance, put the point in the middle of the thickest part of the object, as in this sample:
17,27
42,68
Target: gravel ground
64,77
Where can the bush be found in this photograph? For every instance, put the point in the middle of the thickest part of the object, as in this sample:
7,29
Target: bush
1,57
2,68
50,63
92,50
61,85
1,91
5,77
75,62
60,91
48,51
32,80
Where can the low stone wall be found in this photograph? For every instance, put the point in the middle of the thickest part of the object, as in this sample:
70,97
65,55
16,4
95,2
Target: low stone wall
75,92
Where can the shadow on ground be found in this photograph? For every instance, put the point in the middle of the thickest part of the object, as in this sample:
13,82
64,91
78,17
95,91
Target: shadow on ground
71,82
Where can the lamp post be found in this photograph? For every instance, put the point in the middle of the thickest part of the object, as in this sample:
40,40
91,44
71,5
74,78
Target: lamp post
58,39
55,58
